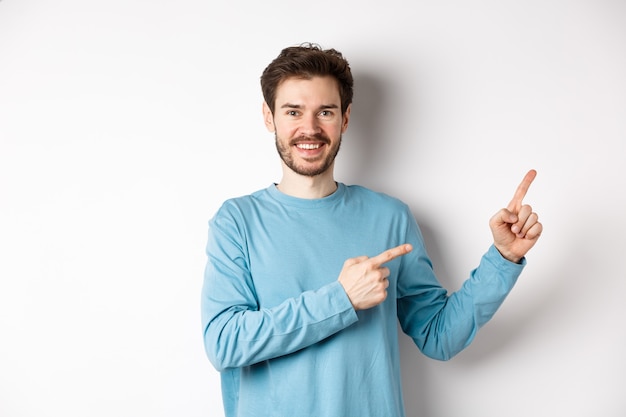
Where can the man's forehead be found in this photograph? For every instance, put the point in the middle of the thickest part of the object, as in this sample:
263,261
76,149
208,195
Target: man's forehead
297,90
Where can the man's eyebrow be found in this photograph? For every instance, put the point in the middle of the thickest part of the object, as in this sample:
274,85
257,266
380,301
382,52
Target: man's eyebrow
299,106
291,106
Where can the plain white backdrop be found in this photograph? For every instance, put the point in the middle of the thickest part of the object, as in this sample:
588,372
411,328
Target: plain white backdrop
125,124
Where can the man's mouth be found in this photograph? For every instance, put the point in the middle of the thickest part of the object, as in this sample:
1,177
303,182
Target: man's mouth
308,146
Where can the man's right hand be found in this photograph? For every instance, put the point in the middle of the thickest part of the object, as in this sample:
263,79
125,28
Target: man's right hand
365,279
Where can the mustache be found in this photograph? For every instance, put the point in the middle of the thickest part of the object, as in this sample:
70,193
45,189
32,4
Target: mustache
318,137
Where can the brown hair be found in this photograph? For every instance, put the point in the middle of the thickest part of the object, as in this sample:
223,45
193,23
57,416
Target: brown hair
306,61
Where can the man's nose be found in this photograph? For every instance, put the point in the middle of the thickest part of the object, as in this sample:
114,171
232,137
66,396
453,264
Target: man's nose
310,125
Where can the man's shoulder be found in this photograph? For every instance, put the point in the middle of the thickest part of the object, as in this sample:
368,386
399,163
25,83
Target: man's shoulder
247,198
373,196
242,203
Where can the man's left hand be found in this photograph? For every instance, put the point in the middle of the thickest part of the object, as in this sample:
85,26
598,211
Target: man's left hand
516,228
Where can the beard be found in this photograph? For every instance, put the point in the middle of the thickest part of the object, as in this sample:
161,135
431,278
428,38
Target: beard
309,171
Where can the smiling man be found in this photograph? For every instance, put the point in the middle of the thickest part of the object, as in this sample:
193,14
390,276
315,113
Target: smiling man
306,279
308,121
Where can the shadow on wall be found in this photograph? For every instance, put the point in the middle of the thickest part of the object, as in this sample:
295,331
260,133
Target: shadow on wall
365,143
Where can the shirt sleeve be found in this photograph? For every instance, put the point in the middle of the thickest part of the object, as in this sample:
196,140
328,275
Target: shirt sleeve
443,324
236,331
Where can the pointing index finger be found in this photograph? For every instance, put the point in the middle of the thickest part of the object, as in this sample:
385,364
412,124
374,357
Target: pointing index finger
391,254
522,189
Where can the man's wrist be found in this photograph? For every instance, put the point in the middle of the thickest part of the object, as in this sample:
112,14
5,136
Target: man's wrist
509,257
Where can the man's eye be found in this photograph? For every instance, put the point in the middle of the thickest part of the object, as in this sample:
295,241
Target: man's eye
292,113
326,113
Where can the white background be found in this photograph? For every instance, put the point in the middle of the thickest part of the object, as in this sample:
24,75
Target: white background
125,124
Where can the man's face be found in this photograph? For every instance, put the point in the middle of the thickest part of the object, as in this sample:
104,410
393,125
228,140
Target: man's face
308,123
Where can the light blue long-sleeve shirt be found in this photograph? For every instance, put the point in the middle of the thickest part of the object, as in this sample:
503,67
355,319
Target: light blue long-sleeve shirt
281,329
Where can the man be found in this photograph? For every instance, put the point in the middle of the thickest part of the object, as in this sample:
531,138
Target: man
305,279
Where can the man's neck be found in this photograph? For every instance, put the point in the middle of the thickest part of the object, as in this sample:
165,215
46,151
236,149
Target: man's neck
301,186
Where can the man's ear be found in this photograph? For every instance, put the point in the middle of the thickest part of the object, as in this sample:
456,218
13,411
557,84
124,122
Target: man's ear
268,118
346,118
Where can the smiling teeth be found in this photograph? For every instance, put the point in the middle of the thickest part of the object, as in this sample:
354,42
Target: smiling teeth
308,146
